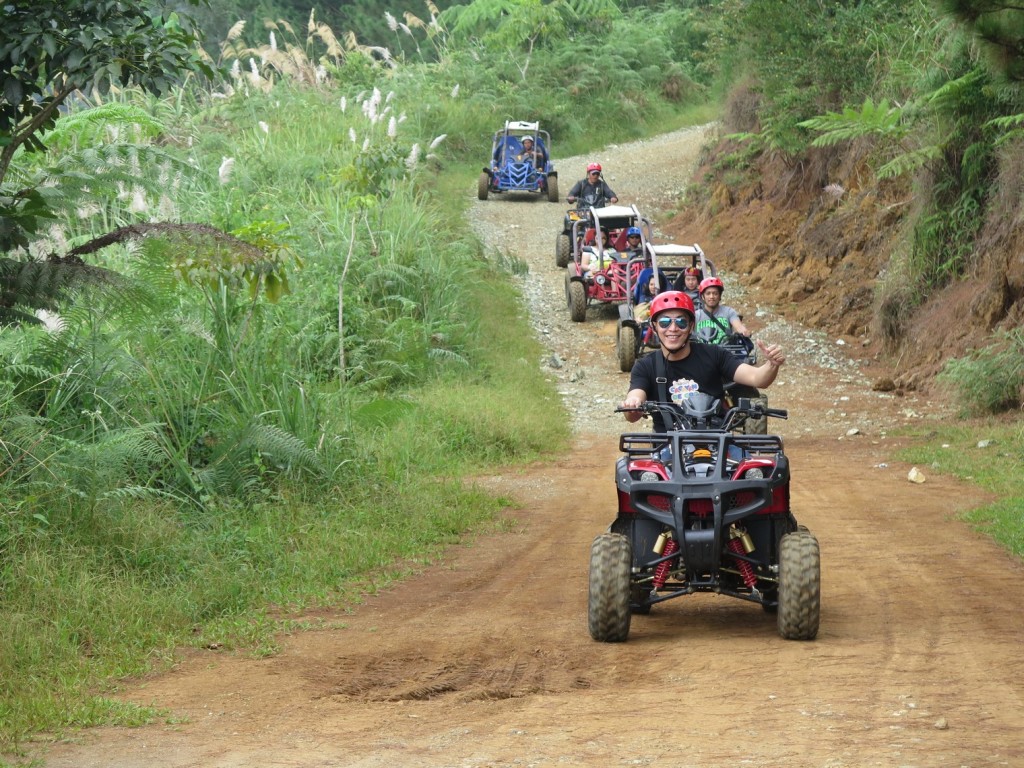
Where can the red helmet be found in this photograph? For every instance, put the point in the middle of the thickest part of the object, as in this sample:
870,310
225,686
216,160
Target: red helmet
671,300
594,167
710,282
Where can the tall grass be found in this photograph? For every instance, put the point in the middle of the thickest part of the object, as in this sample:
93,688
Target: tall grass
198,463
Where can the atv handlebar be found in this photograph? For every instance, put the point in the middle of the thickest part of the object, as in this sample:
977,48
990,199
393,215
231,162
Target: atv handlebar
711,419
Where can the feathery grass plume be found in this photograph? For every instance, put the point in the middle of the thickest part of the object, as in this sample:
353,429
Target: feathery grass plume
406,29
438,140
264,127
236,69
392,21
139,204
311,24
321,74
835,191
432,8
401,118
384,54
413,158
343,104
254,72
455,91
235,32
366,143
392,127
334,48
273,42
414,21
352,135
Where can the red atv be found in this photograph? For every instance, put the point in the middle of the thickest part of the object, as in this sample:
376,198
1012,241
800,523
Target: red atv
703,508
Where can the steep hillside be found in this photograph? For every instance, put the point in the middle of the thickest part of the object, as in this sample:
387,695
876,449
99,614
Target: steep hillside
816,239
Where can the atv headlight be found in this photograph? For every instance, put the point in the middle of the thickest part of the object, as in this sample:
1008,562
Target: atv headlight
754,474
649,477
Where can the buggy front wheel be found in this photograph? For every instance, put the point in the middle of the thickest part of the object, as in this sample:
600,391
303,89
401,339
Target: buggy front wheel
577,295
625,347
482,185
608,612
553,189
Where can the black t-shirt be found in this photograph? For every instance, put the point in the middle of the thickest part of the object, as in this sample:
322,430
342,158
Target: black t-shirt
712,367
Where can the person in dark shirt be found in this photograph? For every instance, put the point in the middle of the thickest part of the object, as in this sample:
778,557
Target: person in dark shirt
710,367
592,188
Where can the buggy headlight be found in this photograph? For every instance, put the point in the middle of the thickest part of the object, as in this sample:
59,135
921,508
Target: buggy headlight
600,279
754,474
649,477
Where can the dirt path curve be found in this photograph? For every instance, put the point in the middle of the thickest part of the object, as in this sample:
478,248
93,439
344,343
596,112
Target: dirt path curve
486,661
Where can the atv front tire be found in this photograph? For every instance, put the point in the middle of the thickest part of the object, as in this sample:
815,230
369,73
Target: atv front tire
799,586
608,614
483,184
563,251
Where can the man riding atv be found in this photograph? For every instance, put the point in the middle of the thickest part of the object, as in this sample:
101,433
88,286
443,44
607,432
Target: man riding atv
593,187
711,367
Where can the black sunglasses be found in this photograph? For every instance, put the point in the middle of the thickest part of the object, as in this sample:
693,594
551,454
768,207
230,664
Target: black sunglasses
682,323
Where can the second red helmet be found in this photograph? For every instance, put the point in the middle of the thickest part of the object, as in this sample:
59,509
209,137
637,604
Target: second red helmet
594,167
711,282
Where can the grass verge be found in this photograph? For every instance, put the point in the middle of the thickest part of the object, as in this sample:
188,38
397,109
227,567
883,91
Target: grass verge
990,454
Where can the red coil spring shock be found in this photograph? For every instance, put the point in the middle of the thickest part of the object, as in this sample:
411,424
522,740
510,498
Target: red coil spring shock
661,572
746,569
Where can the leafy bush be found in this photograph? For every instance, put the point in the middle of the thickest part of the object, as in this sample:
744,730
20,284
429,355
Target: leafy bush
990,379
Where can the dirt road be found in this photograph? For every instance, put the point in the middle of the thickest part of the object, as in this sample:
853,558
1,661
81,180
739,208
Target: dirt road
486,661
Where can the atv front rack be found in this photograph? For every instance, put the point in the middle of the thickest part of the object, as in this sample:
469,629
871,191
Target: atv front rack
724,447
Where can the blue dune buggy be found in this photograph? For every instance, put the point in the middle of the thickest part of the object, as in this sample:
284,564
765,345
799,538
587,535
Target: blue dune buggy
518,168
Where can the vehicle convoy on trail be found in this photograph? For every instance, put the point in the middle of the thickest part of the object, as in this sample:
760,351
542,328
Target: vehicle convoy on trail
703,508
520,162
601,266
634,336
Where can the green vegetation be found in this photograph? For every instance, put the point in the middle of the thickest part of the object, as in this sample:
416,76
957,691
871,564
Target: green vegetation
990,455
251,348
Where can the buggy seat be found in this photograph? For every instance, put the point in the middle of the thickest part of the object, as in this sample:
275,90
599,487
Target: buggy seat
642,279
508,148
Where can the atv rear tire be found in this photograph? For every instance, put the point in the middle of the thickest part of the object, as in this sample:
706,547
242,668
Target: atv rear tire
625,347
799,586
563,250
553,189
483,184
608,614
577,295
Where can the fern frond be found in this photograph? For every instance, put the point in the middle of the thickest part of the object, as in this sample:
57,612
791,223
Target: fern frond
283,450
90,124
870,120
909,161
950,95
